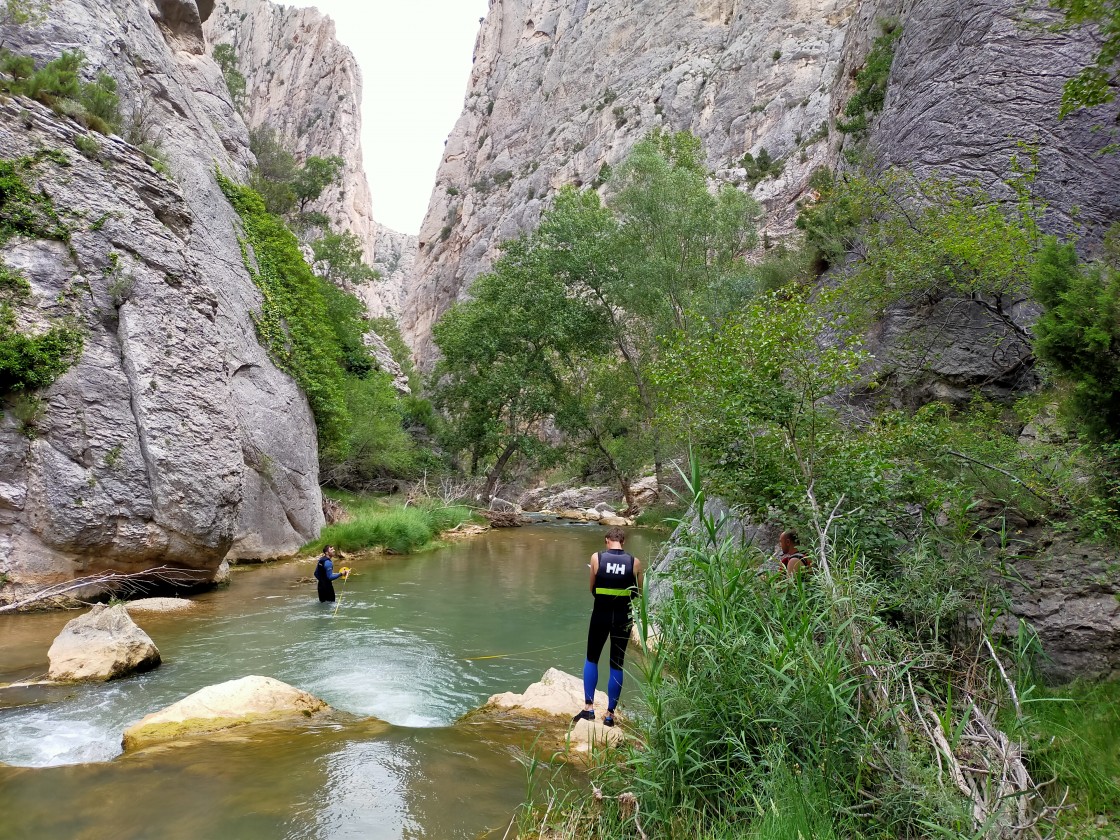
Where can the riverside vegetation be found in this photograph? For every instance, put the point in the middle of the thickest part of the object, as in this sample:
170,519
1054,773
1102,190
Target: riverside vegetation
873,698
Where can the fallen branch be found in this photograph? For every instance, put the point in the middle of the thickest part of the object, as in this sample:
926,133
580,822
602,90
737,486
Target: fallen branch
127,583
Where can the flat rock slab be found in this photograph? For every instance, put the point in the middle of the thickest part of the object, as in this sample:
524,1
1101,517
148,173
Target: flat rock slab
553,702
224,706
101,645
160,605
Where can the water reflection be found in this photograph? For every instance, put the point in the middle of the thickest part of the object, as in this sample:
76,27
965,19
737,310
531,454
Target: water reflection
404,647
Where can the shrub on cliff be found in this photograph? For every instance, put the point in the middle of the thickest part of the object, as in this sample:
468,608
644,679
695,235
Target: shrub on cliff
58,85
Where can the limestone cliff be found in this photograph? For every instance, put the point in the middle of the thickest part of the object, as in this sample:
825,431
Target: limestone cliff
304,83
559,89
174,439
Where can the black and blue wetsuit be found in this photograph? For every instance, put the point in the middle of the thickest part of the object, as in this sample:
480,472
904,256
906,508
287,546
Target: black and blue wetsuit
615,586
325,573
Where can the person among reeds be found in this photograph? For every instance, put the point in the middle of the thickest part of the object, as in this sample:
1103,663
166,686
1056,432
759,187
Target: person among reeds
325,574
616,579
793,559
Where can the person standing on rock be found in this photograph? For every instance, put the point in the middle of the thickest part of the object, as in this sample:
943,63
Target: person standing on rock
325,574
616,579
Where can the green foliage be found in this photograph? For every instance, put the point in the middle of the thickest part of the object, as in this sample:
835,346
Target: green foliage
282,183
871,82
275,171
29,361
761,167
338,257
58,85
1078,334
1093,85
377,448
34,361
307,326
314,176
23,12
1071,734
88,146
226,58
401,530
14,287
27,212
570,320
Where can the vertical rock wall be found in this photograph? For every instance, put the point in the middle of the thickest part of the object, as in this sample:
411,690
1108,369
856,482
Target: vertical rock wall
174,439
306,85
560,89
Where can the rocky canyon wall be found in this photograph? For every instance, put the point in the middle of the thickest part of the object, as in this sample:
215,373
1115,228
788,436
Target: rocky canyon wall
559,89
173,439
304,83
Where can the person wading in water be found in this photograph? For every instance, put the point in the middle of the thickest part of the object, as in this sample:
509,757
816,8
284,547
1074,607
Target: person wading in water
616,579
325,573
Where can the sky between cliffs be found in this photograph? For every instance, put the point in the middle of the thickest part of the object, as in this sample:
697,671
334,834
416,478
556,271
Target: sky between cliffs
415,60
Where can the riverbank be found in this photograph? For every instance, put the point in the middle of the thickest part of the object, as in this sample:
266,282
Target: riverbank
388,523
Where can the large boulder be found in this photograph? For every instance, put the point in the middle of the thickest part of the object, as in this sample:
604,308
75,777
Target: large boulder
103,644
569,498
224,706
551,703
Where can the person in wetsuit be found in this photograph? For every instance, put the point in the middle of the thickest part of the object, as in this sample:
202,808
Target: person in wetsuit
325,574
616,579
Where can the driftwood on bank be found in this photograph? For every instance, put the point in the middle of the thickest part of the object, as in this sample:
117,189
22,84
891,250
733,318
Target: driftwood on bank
119,583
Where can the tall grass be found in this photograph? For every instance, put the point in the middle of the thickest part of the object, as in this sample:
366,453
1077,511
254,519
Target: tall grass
1073,736
377,522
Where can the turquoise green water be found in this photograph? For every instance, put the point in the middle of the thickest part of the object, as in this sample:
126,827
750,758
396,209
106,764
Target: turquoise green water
399,650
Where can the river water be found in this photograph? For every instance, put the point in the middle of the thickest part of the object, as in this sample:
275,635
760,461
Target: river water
405,647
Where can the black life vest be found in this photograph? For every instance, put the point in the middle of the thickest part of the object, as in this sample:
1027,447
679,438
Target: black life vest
615,576
321,570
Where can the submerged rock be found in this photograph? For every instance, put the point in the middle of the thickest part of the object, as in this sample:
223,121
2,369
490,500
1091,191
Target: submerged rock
103,644
552,702
224,706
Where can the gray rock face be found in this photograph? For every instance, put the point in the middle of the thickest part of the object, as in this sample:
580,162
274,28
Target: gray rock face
307,86
560,89
1069,592
174,440
104,644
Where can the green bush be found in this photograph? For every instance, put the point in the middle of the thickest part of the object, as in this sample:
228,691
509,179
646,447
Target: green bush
871,82
58,85
29,361
399,529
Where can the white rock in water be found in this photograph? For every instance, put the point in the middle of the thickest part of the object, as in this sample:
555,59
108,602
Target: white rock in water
223,706
103,644
555,699
161,605
615,520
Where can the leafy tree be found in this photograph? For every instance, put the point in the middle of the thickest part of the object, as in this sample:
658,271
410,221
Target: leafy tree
377,448
1096,84
275,171
226,58
314,176
504,356
339,258
1078,333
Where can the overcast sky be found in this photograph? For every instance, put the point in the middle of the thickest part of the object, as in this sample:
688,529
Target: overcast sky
415,60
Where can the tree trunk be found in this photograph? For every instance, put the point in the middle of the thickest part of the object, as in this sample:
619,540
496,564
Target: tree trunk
498,468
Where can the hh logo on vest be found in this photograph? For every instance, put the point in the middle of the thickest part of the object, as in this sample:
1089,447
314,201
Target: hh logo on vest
616,568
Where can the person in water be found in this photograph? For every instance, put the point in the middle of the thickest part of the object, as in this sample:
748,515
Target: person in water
325,574
616,579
